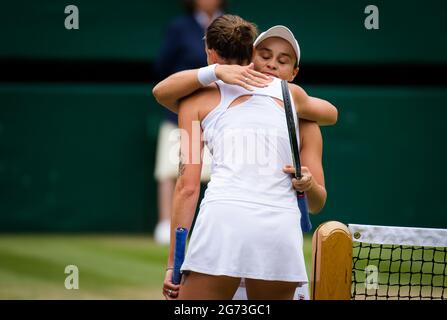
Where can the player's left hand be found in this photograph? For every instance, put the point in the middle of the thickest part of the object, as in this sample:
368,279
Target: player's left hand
305,183
244,76
170,290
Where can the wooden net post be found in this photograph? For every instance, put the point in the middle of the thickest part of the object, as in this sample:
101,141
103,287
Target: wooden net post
331,262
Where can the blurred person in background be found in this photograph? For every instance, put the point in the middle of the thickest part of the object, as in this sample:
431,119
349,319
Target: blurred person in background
183,48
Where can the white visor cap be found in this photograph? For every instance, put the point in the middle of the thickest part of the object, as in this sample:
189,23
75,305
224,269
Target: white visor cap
283,33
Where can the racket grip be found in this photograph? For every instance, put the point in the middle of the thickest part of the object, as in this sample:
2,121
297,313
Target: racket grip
306,225
179,254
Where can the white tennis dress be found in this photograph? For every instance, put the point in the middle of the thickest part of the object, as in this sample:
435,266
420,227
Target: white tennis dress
248,225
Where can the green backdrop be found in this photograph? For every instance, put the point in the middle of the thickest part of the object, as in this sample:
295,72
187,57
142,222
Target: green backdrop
77,157
328,31
80,157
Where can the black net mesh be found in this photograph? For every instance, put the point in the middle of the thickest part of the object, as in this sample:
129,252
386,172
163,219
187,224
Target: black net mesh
395,272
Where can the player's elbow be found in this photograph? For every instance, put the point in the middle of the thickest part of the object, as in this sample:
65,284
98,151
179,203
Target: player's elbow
187,188
157,92
333,115
315,207
162,96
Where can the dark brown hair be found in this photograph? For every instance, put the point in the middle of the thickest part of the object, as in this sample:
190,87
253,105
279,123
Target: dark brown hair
232,38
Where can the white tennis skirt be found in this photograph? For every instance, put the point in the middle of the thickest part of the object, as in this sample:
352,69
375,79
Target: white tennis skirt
247,240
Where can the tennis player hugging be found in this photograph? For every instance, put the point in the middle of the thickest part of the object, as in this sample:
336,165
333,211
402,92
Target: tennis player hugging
247,241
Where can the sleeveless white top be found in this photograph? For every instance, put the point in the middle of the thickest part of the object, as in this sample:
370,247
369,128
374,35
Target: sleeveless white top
248,223
250,145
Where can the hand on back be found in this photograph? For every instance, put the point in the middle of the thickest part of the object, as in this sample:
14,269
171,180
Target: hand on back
244,76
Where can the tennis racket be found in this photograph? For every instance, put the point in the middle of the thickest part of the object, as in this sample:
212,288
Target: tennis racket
179,254
306,225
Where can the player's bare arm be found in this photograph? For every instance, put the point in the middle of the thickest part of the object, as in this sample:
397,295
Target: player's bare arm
312,181
311,158
187,188
313,109
181,84
188,182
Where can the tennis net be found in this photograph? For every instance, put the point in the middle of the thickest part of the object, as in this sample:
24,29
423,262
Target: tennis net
394,263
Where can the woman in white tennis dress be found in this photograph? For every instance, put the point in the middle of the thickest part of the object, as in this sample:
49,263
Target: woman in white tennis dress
249,218
248,225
